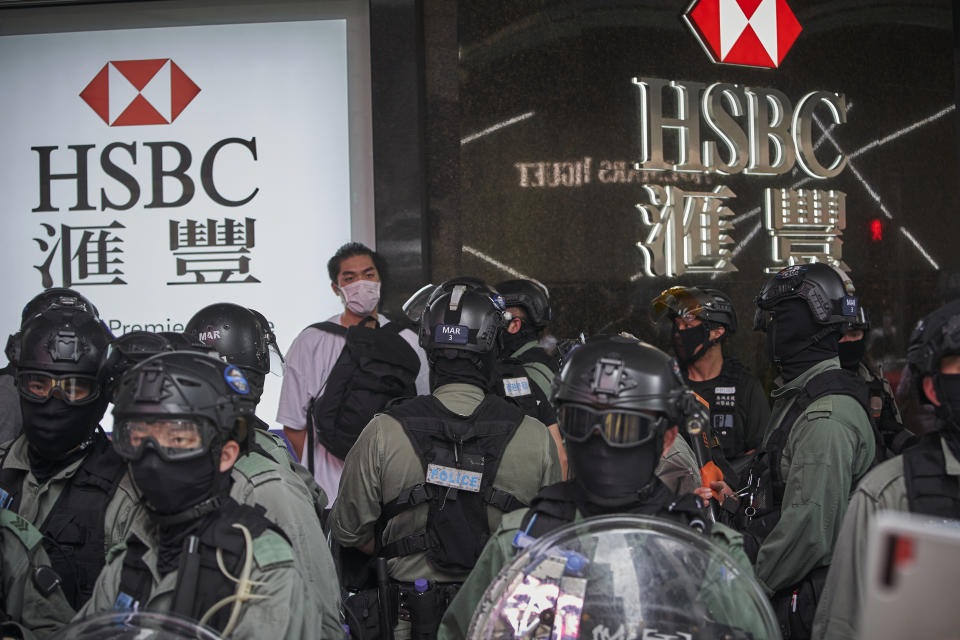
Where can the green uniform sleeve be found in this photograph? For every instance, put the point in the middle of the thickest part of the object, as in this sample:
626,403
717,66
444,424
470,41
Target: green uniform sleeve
843,594
829,446
678,468
496,554
357,507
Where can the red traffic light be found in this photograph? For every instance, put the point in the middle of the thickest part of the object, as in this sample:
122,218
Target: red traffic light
876,230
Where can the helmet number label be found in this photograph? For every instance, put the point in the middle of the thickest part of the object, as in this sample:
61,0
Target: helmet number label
455,478
451,334
516,387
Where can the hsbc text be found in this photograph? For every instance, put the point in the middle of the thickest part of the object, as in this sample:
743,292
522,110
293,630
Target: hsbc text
116,155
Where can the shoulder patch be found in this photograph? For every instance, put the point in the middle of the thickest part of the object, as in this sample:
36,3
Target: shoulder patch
819,408
28,534
270,548
254,464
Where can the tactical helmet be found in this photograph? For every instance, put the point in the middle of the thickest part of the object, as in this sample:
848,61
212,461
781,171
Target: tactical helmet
462,317
133,347
531,296
830,297
711,306
61,348
936,336
469,282
234,332
57,297
621,373
191,392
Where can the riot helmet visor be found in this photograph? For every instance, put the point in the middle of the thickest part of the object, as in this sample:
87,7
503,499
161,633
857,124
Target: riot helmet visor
681,302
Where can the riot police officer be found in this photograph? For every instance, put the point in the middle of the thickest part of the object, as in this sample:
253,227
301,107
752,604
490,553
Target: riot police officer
925,479
61,474
429,478
179,419
820,441
265,473
10,420
620,403
702,322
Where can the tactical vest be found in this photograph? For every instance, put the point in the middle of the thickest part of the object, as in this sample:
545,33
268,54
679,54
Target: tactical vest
930,490
557,505
517,387
728,389
766,484
193,598
894,437
460,456
540,366
73,532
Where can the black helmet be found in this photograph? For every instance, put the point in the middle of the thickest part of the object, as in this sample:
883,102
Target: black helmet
936,336
711,306
136,346
829,295
182,389
531,296
619,372
237,334
57,297
462,317
470,282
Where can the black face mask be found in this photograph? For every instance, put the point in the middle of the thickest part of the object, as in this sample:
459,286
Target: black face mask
54,428
851,353
172,487
611,474
478,371
686,341
790,339
513,341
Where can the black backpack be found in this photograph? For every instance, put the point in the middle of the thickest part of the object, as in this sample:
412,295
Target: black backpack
375,367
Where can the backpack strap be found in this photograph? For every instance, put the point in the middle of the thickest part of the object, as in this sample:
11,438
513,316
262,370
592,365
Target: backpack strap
330,327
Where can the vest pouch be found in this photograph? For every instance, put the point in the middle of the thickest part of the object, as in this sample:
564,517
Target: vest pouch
727,435
795,606
455,519
362,613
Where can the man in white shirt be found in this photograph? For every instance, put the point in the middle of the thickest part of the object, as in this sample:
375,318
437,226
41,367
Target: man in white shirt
355,277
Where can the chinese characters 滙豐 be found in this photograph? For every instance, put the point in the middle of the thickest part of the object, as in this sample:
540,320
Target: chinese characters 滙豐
805,225
212,251
204,252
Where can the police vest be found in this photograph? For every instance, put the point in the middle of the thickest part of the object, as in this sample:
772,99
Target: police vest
558,504
73,533
460,456
540,366
727,390
767,484
517,387
202,585
930,490
894,437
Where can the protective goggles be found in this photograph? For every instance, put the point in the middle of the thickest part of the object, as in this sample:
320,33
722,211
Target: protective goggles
682,302
38,386
617,427
172,438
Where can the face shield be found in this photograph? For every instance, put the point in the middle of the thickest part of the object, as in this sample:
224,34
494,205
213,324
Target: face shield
681,302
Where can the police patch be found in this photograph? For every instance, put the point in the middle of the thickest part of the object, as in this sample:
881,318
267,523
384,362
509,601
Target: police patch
235,380
516,387
454,478
451,334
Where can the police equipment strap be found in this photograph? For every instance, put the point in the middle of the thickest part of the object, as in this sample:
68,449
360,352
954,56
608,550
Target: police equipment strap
448,444
930,490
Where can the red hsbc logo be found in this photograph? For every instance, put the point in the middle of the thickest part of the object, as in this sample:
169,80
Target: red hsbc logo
754,33
139,92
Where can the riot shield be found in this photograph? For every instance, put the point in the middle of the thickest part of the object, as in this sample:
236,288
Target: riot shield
624,578
142,625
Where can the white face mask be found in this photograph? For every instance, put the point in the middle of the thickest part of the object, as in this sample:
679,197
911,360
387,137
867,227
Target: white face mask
361,297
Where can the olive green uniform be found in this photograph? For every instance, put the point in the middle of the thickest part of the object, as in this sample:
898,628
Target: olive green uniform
539,373
883,489
499,552
37,498
287,611
270,480
383,462
29,611
829,448
678,468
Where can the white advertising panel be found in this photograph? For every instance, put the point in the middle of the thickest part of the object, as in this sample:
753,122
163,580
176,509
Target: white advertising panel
160,170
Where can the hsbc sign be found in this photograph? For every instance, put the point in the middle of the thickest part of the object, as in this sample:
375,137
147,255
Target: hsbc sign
753,33
139,92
